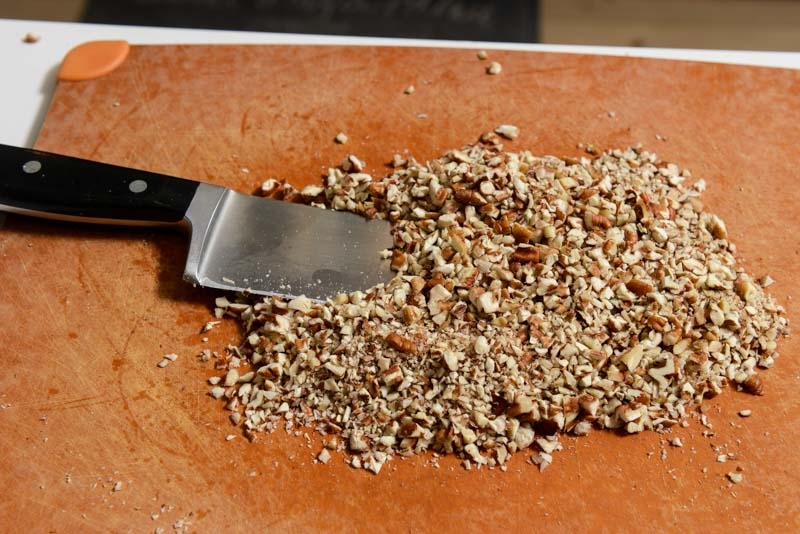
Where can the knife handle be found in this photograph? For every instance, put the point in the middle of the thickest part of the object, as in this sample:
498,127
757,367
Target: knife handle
53,186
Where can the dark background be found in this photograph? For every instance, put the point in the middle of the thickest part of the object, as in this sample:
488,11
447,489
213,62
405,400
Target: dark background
482,20
710,24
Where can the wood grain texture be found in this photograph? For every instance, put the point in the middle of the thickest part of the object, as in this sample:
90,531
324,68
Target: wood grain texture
88,312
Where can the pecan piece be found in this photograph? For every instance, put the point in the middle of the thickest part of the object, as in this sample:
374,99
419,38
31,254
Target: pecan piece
469,197
596,221
526,255
753,385
639,287
399,260
401,344
522,234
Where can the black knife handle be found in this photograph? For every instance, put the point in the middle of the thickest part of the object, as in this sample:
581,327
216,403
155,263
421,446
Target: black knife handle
43,184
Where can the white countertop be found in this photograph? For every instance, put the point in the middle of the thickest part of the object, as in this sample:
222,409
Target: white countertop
30,68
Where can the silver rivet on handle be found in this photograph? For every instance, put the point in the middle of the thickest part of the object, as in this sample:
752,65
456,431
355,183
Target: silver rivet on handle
32,166
137,186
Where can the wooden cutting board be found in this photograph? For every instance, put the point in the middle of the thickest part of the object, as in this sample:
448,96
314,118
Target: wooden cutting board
88,312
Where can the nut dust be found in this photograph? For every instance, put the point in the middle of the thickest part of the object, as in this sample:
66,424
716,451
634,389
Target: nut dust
534,296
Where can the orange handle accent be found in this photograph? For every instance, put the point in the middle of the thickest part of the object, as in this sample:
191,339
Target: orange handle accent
92,60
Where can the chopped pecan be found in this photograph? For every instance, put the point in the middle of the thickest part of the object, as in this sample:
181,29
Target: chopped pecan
401,344
753,385
469,197
526,254
639,287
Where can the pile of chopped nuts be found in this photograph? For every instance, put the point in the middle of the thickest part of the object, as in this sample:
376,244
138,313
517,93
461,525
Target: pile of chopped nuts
533,296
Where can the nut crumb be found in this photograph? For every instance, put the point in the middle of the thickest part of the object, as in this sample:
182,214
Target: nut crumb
676,442
118,486
509,131
494,68
352,164
482,54
735,477
582,428
31,38
409,90
745,413
341,138
208,326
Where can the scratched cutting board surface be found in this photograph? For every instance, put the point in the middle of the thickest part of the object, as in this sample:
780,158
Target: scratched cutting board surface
88,312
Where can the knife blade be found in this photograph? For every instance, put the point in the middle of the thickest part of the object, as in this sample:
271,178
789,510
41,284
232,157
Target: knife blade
237,242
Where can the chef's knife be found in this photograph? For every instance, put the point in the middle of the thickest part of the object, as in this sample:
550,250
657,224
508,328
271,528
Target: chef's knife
238,242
